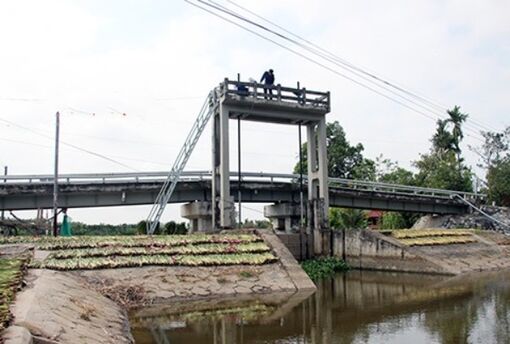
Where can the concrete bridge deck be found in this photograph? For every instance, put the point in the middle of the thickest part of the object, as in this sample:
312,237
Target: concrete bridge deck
23,192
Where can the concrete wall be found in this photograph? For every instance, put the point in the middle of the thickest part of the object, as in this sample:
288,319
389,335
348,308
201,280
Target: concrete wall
296,244
366,249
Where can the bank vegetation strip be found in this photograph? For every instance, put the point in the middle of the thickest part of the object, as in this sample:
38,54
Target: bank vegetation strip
104,252
433,237
11,274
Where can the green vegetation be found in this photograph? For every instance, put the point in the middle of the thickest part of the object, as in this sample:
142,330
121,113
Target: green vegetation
60,243
323,267
494,156
11,273
98,252
393,220
344,160
498,182
442,240
442,167
110,262
347,218
429,237
189,249
420,233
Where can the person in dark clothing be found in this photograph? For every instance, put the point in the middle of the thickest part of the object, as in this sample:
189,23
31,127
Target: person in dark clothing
268,79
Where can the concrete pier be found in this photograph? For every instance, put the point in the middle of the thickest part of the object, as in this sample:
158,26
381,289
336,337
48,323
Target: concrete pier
284,216
199,215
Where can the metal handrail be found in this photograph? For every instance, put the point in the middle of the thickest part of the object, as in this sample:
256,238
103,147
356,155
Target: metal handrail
255,90
206,175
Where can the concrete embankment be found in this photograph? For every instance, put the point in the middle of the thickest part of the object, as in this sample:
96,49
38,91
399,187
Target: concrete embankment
90,306
372,250
366,249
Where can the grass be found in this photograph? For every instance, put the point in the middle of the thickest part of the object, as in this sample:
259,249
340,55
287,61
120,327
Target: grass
91,263
11,274
200,249
444,240
418,233
323,267
101,252
77,242
432,237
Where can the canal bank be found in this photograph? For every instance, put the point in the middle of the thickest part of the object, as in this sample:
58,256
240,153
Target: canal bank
354,307
89,305
435,251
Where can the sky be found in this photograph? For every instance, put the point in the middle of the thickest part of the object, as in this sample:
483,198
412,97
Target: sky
128,78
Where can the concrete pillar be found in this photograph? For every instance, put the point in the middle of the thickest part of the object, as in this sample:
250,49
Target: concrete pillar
223,209
318,200
284,216
200,216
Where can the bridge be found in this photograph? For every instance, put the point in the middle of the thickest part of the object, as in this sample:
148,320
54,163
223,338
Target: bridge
24,192
210,196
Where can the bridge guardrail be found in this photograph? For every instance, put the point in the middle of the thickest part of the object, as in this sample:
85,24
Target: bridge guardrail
255,90
136,177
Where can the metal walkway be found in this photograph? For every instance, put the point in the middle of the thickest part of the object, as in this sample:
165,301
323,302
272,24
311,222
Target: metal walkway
21,192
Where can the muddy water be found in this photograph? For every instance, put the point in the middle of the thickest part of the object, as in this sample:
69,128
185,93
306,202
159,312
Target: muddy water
355,307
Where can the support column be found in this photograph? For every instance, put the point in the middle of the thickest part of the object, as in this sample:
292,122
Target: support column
318,200
215,182
322,170
199,215
223,203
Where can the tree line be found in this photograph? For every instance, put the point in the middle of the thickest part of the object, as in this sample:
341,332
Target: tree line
443,167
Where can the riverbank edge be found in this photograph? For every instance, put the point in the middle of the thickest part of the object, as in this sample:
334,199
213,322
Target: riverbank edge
63,307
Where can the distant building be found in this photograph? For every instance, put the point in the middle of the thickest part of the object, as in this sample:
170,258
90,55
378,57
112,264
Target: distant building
374,218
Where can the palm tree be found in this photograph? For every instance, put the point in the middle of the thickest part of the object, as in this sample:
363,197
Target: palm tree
457,118
347,218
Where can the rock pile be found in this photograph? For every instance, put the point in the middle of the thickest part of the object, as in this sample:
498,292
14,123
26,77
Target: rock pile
473,220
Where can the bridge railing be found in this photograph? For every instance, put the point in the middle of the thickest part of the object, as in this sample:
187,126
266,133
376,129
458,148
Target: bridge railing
157,177
290,95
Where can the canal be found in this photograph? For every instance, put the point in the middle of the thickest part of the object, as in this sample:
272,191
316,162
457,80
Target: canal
352,307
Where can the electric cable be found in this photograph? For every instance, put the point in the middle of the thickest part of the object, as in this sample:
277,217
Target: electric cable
71,145
345,63
316,62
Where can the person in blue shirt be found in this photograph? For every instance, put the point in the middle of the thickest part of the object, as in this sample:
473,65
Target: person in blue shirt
268,79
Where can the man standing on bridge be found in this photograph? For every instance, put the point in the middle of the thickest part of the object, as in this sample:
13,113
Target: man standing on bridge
268,79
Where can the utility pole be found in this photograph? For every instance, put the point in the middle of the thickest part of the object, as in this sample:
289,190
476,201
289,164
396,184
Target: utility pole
239,170
5,181
55,178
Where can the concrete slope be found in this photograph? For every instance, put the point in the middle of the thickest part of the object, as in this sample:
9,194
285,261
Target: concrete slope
367,249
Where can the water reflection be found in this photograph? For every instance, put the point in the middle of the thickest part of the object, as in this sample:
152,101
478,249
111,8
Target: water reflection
355,307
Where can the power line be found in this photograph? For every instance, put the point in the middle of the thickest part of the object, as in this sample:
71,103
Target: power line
429,105
334,60
344,62
71,145
312,60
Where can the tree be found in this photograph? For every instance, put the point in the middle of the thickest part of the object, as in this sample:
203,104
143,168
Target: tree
494,156
173,227
141,228
443,167
345,218
256,224
456,119
443,172
494,149
447,140
388,171
498,181
393,220
344,160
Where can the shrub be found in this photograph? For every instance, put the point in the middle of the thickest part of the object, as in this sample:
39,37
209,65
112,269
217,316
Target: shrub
323,267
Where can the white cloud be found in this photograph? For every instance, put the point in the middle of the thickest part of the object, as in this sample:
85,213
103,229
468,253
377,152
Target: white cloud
86,56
